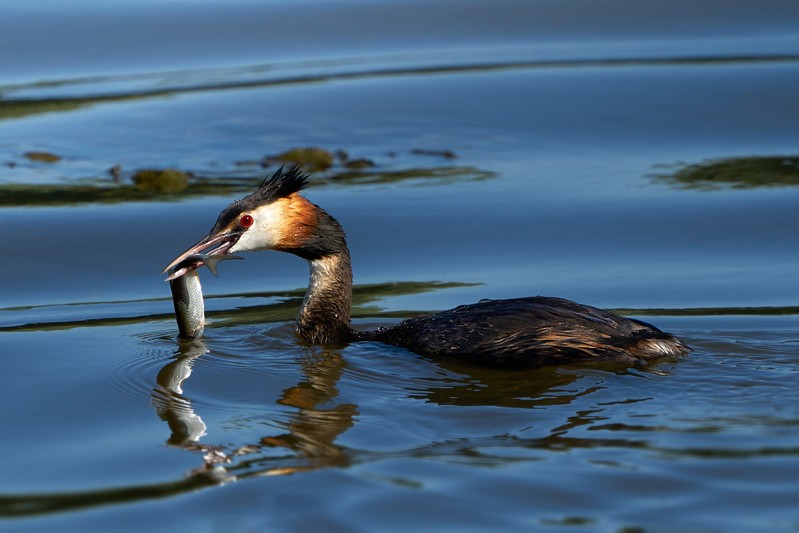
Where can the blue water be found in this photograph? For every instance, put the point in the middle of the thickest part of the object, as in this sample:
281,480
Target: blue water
575,126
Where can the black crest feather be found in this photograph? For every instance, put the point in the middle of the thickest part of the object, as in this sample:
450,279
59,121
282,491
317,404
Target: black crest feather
279,185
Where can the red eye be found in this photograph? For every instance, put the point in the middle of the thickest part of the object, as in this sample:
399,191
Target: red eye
246,221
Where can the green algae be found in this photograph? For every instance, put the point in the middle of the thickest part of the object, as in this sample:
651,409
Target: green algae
167,181
42,157
737,173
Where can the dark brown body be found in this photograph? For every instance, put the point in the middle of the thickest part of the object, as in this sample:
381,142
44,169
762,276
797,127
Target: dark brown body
529,332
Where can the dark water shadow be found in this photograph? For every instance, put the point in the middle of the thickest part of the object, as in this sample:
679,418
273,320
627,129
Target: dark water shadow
40,504
735,173
528,389
256,76
284,307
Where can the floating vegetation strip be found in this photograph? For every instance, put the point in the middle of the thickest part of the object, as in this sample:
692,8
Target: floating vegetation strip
42,157
16,195
311,159
737,173
437,175
161,181
157,185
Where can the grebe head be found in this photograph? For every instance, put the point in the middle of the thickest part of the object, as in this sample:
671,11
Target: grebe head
273,217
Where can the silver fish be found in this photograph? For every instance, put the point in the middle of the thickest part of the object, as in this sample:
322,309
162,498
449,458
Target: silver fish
187,292
187,296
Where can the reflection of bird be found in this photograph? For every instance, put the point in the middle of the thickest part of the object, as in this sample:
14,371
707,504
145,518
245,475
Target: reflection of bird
517,332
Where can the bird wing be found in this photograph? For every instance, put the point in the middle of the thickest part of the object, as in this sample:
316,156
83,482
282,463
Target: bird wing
525,331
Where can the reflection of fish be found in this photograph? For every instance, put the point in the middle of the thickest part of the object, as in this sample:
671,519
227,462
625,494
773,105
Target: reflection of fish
187,293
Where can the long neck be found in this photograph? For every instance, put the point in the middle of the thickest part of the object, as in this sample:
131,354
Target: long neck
324,317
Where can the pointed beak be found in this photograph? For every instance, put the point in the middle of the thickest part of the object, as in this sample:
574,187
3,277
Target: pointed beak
192,258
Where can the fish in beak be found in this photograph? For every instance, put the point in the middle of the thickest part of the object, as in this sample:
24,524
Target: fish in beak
210,251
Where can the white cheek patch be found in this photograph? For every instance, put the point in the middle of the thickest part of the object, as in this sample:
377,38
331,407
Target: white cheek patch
264,233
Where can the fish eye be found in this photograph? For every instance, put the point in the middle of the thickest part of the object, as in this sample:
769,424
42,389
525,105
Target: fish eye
246,221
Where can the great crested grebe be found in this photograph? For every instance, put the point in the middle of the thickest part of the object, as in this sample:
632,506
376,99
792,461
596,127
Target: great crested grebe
514,333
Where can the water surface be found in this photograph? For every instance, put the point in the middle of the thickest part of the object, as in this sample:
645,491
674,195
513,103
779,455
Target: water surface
625,155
